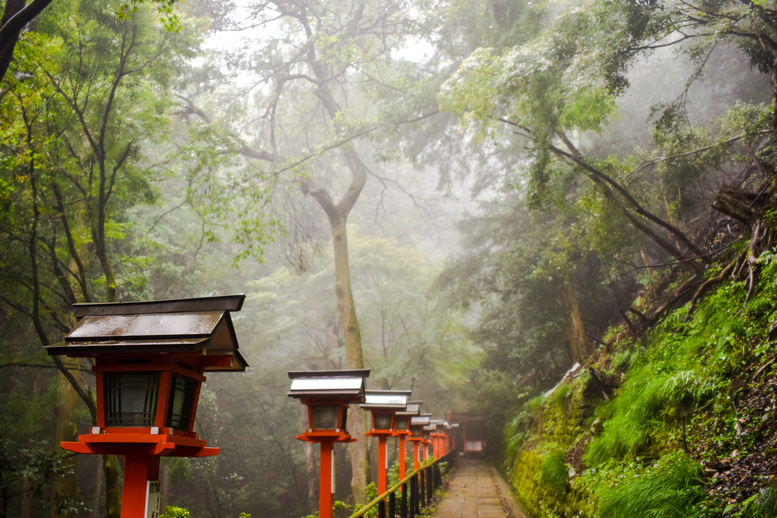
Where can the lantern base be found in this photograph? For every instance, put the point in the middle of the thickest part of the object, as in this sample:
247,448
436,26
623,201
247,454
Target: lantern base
314,436
140,443
379,433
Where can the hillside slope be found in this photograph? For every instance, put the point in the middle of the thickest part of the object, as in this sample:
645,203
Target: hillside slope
677,422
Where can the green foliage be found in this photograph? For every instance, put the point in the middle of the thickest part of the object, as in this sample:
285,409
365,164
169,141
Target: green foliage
31,468
679,383
165,8
515,431
553,472
559,396
175,512
648,401
760,505
671,489
371,491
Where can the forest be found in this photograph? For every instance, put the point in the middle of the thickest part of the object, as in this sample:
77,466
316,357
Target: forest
558,215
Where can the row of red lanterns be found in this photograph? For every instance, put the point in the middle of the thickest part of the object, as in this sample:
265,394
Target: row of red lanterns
328,395
150,361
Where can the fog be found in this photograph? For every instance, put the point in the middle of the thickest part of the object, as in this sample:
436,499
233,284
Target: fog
499,215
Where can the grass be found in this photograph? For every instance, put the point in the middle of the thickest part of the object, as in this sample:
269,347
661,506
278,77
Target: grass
673,489
649,403
678,386
553,472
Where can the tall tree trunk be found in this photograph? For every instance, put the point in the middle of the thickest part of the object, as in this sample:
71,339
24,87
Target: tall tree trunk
338,218
98,486
578,342
360,462
27,497
67,403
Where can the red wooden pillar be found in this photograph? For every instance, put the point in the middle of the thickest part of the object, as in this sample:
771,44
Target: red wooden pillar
382,465
416,455
401,457
138,470
325,481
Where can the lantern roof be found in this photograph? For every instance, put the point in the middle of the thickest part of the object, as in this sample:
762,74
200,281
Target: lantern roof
195,326
346,384
420,420
413,408
385,399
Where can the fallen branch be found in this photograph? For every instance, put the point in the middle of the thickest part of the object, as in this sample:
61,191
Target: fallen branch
714,280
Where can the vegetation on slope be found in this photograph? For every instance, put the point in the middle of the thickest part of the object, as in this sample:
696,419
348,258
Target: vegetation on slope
689,431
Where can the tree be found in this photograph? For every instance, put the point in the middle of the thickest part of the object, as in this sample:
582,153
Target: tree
546,97
320,73
515,276
17,14
410,341
555,89
72,143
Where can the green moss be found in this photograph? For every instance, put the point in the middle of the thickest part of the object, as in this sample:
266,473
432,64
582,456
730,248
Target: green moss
559,396
534,405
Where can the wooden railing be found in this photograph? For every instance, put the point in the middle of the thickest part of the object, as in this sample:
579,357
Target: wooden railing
409,495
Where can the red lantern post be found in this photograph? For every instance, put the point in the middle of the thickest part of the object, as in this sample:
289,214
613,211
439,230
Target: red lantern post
327,395
402,432
417,425
150,358
383,405
439,437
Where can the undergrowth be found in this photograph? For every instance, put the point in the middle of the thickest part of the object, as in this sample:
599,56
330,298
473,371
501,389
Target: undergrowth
670,489
643,453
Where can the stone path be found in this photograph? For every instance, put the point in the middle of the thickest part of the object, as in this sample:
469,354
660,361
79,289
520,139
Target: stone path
478,491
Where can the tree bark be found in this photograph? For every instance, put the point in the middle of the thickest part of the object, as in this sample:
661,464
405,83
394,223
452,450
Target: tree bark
338,215
66,405
747,207
338,218
578,342
15,16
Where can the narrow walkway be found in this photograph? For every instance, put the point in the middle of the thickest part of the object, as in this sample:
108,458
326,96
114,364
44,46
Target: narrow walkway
478,491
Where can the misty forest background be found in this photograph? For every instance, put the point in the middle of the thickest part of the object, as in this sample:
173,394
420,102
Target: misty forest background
523,185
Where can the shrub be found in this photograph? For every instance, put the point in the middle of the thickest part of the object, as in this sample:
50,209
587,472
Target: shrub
175,512
553,472
761,505
559,396
673,489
